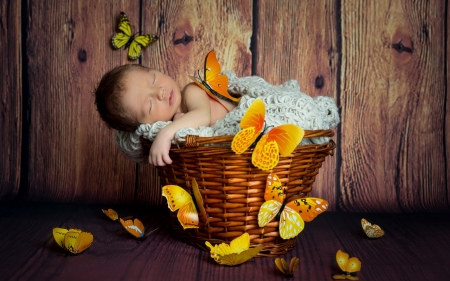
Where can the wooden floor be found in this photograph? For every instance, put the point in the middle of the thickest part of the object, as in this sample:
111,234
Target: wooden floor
415,247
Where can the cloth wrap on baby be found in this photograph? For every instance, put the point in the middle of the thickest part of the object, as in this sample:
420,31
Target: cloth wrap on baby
285,104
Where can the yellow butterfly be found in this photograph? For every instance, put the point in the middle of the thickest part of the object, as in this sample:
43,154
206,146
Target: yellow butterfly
133,42
134,227
348,266
371,230
73,240
292,215
283,266
179,199
236,253
282,139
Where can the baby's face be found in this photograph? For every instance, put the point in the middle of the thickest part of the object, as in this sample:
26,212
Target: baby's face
150,96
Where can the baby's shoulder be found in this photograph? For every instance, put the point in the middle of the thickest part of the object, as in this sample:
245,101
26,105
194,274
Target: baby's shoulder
191,90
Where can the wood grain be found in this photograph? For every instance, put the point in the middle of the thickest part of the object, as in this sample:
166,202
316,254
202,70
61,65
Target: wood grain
392,92
447,108
297,40
10,98
73,157
188,30
415,247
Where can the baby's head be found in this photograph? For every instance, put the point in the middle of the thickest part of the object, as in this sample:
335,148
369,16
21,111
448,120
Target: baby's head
130,95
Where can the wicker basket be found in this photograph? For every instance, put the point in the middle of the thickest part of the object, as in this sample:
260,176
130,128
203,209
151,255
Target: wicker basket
233,189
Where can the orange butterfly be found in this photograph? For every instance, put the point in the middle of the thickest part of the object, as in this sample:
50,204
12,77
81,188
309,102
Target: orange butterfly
73,240
179,199
236,253
280,140
371,230
214,83
292,215
110,213
283,266
348,266
134,227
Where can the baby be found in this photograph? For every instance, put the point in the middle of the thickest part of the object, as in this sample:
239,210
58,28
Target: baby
132,94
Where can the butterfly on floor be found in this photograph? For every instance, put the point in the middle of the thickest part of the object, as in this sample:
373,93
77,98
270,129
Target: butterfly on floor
282,139
372,230
291,215
237,252
286,269
133,42
73,240
179,199
133,225
349,266
213,82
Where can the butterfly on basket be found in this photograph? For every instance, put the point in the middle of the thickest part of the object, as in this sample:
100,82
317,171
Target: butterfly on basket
371,230
214,83
282,139
348,266
73,240
236,253
291,215
133,42
179,199
284,268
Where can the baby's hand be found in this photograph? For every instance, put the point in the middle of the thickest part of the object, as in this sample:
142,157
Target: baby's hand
159,152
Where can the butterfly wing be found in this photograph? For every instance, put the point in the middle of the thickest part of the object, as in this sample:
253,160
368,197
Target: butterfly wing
199,200
110,213
77,242
178,198
274,190
235,259
282,265
58,235
121,39
134,227
268,212
280,140
371,230
252,124
309,208
291,223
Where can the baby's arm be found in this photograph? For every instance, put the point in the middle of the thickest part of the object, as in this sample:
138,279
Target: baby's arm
198,114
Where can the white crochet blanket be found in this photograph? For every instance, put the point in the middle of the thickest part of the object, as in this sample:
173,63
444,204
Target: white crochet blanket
285,104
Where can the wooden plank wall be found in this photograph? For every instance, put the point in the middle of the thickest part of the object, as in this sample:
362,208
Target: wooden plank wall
392,94
10,99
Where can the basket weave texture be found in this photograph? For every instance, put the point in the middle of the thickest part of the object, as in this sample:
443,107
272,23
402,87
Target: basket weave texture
233,189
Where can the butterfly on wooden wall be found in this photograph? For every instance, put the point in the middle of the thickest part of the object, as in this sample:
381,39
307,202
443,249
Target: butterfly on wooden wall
75,241
133,42
284,268
214,83
348,266
237,252
291,215
179,199
282,139
372,230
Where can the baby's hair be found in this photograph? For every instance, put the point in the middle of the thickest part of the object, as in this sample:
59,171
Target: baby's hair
108,98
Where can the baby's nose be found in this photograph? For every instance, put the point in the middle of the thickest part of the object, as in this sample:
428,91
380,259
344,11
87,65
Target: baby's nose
161,93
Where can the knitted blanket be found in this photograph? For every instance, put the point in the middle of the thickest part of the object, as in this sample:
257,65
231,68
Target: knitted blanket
285,104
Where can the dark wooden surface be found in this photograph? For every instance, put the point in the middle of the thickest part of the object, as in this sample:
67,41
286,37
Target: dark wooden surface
415,247
392,142
10,98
